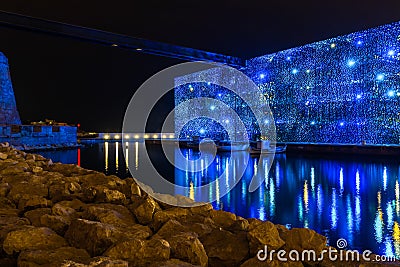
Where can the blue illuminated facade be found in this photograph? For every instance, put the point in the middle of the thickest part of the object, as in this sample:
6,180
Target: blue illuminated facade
342,90
205,127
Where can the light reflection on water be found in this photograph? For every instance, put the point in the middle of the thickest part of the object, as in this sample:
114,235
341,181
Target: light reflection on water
340,198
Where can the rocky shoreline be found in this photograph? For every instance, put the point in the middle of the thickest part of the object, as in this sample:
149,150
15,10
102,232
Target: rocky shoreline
54,214
35,148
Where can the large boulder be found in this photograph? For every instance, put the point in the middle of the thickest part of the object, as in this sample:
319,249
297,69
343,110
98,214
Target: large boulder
32,238
111,196
58,224
35,215
14,220
223,218
53,257
225,248
187,247
68,169
301,239
140,252
109,213
64,211
262,234
162,216
171,228
28,202
97,237
27,190
145,211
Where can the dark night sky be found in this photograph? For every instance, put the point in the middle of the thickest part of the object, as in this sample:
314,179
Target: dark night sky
91,84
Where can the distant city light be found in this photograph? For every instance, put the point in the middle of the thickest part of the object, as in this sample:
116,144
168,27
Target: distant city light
137,136
351,63
106,136
380,77
127,136
117,136
146,136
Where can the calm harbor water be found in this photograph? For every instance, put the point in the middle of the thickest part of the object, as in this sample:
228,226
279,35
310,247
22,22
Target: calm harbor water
353,198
